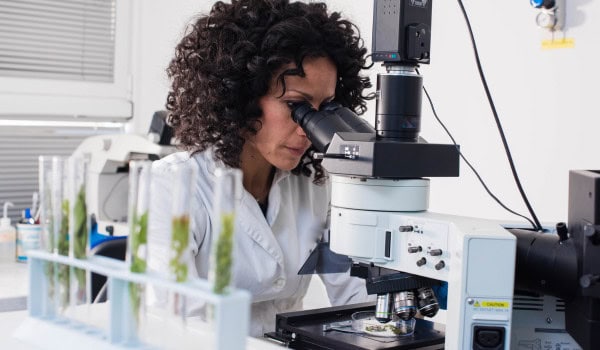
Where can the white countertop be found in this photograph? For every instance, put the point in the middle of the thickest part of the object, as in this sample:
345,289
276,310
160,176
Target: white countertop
14,281
14,287
12,323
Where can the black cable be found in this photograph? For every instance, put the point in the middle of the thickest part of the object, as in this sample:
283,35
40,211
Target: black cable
469,163
537,225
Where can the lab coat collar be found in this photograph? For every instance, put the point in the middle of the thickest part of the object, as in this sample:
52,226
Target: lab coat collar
261,233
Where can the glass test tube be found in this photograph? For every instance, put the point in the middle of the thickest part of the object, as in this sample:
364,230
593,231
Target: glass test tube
78,228
137,241
60,214
180,258
227,196
50,179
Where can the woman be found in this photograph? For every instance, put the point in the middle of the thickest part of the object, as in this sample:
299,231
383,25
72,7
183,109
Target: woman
234,76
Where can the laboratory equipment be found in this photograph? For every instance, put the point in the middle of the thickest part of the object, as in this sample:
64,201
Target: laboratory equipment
379,219
8,236
108,176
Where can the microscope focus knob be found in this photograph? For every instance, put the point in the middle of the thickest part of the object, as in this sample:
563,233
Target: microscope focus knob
421,262
435,252
590,232
414,249
440,265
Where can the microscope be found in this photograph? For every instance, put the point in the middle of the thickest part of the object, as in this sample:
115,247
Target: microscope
379,218
495,275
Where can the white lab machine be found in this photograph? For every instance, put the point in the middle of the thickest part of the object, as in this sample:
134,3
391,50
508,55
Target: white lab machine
107,184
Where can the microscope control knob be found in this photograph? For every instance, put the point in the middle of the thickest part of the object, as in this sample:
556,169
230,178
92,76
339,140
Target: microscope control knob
406,228
414,249
546,4
440,265
435,252
590,231
546,20
421,262
588,280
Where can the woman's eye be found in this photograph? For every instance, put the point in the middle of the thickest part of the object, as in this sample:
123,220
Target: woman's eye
293,104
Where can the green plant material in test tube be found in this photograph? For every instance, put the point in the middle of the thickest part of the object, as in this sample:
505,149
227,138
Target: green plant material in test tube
223,257
80,234
80,215
137,238
179,245
63,249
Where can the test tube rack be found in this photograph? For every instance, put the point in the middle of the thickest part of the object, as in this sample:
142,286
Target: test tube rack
49,331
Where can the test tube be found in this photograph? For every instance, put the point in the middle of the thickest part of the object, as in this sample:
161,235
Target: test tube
180,223
50,179
181,252
60,214
226,198
78,233
137,241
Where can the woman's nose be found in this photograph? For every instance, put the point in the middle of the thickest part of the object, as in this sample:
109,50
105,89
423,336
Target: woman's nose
300,131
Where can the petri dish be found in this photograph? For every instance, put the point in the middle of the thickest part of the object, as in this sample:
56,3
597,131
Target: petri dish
365,321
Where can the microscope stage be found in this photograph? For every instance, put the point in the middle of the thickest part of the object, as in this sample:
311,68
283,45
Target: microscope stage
310,330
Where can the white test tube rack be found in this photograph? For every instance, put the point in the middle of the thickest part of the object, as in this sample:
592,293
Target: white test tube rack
41,329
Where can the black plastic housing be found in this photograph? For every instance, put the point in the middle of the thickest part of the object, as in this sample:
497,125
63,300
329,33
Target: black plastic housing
402,31
582,314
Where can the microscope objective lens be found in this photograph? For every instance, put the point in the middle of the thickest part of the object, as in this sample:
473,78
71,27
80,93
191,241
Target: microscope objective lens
383,308
404,305
428,303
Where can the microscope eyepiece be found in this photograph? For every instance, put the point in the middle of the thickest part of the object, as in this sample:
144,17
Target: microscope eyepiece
320,126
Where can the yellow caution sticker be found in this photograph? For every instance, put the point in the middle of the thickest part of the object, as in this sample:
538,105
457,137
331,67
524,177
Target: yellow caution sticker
564,43
495,304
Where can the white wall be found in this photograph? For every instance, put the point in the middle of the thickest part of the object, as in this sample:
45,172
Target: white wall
546,98
160,25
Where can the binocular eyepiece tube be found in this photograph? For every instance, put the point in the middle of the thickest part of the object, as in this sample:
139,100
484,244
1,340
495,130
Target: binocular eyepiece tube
320,126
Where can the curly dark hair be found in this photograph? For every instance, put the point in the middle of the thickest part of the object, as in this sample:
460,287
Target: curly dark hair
226,61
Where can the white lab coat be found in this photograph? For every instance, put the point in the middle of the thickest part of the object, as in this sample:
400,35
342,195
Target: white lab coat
268,252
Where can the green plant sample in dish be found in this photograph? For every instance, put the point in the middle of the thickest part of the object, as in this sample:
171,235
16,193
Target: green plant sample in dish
383,328
179,244
223,257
